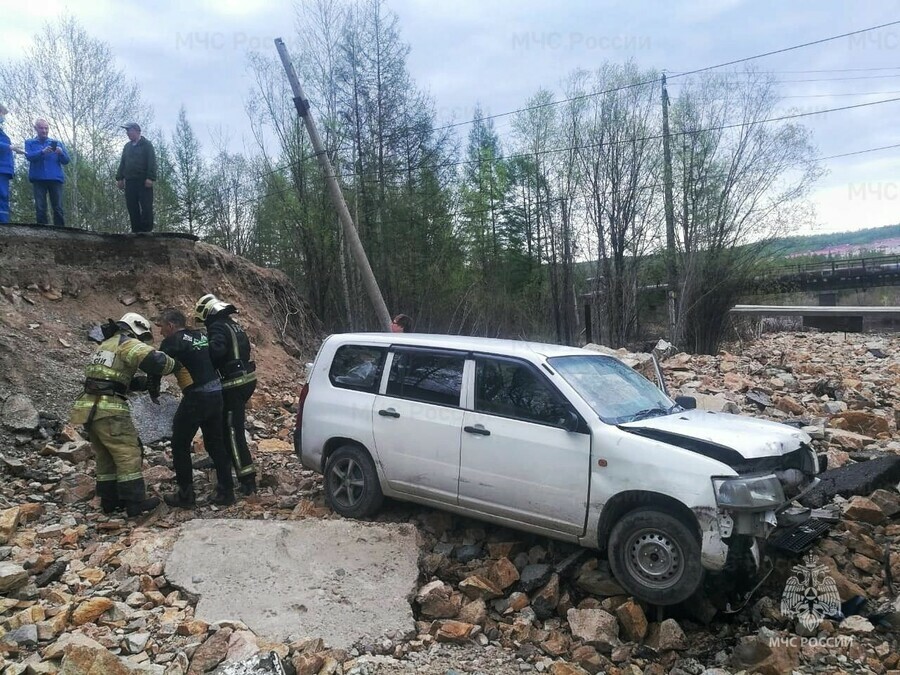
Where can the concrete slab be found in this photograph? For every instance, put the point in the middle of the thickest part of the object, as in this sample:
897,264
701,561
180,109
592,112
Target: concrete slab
340,580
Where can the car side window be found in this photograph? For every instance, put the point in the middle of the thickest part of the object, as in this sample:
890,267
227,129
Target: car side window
357,367
514,390
426,376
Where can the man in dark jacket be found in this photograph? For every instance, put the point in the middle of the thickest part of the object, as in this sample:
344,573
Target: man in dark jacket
200,408
47,156
229,348
136,176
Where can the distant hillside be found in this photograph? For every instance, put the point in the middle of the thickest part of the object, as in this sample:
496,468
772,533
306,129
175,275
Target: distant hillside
876,239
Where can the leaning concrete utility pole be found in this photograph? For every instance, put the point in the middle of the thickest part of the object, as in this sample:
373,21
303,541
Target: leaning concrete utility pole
351,235
671,270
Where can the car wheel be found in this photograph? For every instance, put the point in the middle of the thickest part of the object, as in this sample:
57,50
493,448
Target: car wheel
655,557
351,483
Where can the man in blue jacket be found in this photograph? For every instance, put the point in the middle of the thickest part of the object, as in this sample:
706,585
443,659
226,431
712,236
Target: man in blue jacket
47,157
7,166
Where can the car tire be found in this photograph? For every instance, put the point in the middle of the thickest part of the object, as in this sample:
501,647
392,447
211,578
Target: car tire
351,483
655,557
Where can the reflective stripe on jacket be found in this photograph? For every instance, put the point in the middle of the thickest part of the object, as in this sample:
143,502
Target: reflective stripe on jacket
116,361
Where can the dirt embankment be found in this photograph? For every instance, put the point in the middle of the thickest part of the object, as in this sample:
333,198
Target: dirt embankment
56,284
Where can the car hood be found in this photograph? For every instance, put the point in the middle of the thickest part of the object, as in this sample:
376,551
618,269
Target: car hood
751,438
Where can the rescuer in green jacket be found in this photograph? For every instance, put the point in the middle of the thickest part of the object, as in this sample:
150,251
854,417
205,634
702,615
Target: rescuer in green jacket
103,409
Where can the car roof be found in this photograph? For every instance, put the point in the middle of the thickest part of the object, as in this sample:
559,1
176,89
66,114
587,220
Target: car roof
463,343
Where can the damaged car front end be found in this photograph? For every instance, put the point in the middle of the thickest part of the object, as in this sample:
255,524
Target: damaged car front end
770,464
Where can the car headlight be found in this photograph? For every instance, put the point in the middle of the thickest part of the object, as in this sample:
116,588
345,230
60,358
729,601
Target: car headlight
758,492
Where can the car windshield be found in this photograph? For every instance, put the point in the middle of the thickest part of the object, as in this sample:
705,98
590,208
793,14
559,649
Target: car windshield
617,393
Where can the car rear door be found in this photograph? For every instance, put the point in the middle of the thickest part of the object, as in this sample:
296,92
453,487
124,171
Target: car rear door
417,421
518,459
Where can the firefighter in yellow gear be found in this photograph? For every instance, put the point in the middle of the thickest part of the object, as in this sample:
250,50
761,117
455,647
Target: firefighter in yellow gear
103,409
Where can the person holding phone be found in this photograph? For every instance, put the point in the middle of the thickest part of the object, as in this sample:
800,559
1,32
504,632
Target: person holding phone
47,157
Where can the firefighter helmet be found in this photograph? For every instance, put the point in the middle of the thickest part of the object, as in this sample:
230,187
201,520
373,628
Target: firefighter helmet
209,305
136,325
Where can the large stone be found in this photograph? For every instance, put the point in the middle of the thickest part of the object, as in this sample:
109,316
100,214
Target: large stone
87,660
544,602
864,509
76,452
9,520
274,445
11,576
596,627
849,440
76,488
503,574
58,648
861,422
846,588
453,631
474,612
588,658
766,656
211,653
23,636
666,636
437,601
478,587
19,414
534,576
599,582
632,621
91,610
148,548
341,580
888,501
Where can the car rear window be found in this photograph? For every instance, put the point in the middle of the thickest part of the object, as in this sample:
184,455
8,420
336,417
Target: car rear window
426,376
357,367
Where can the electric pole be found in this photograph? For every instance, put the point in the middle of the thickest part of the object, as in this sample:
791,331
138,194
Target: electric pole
351,235
671,269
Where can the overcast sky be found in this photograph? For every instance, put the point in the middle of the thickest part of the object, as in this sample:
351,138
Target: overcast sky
500,52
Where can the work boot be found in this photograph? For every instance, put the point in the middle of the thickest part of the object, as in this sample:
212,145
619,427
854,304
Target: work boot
144,506
248,485
133,494
108,492
183,497
221,497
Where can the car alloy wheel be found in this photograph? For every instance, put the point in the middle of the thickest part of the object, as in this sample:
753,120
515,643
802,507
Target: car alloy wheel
348,483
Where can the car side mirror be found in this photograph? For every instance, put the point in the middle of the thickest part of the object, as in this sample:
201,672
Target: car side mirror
686,402
571,421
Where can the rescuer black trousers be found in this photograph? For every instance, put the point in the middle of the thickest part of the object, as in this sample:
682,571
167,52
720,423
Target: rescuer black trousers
200,411
233,422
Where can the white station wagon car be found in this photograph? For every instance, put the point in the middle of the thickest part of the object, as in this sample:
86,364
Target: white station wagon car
555,440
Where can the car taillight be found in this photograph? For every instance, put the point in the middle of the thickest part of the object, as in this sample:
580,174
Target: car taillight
303,394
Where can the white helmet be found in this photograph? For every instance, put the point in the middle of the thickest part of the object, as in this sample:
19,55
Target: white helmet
135,324
209,305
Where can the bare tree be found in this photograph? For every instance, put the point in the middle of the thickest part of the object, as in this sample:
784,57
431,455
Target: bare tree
619,151
740,181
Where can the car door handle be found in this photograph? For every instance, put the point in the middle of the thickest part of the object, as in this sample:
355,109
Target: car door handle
390,412
478,429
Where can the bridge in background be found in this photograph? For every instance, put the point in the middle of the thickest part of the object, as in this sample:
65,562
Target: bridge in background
831,275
